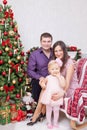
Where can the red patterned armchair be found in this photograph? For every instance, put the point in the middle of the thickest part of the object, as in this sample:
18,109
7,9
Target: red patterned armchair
74,107
82,95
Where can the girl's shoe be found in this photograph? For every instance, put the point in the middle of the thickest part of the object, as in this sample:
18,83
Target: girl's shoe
49,126
55,125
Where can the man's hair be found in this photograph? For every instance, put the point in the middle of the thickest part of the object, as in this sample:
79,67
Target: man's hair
46,35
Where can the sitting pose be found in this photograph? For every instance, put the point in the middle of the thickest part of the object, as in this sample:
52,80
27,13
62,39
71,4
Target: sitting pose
68,70
55,82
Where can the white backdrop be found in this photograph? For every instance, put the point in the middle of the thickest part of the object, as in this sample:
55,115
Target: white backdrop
65,19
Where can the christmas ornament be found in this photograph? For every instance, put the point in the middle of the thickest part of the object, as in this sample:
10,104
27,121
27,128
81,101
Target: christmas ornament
20,79
7,49
10,54
11,33
22,62
15,29
4,2
1,62
9,61
4,73
18,57
5,33
18,95
14,81
8,98
1,88
2,21
22,53
15,43
16,26
0,52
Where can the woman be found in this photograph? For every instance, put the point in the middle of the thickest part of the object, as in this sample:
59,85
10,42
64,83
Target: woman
67,70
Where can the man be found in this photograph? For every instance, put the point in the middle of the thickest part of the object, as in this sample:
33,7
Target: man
38,62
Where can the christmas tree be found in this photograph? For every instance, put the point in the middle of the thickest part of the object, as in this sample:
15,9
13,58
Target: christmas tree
12,57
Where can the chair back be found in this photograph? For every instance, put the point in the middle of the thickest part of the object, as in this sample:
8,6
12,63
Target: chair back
82,72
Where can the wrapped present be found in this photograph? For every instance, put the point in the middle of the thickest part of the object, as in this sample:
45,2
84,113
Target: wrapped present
18,104
5,116
18,112
13,113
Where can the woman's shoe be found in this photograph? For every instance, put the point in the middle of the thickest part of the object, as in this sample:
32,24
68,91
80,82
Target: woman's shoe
32,123
42,116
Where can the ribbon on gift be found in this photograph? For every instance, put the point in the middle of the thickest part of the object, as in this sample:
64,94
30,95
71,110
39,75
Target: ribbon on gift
5,113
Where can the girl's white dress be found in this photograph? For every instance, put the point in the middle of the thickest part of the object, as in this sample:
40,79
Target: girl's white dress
51,88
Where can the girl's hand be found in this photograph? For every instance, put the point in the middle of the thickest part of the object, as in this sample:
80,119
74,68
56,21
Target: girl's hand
57,96
42,83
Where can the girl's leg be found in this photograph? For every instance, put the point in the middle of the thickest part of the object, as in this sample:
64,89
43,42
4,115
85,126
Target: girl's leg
56,115
48,115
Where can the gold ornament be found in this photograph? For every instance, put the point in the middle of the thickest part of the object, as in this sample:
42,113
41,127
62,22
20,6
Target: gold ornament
1,88
15,43
7,49
9,61
16,26
14,81
11,33
18,57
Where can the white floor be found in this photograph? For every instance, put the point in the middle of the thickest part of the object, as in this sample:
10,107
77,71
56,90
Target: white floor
64,124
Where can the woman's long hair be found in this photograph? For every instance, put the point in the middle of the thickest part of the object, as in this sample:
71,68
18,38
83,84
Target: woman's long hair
64,48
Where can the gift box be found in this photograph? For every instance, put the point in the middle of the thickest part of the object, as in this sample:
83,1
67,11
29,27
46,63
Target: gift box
13,113
5,116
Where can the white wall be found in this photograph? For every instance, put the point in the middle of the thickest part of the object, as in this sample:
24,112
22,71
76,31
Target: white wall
65,19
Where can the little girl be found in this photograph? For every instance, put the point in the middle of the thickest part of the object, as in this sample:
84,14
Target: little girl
55,83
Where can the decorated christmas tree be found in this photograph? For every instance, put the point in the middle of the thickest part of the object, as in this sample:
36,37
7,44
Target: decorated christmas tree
12,57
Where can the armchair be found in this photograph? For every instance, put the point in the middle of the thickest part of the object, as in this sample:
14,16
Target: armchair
74,107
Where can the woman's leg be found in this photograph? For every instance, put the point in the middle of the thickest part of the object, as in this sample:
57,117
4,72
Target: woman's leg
74,125
39,109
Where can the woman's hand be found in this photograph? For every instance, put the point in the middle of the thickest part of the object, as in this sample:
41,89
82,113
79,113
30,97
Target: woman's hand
58,95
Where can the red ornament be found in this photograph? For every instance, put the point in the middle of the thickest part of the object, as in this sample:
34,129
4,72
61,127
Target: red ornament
26,62
4,73
73,48
5,33
2,21
0,52
1,62
10,54
7,98
0,9
21,45
20,79
4,2
22,62
22,53
18,95
16,37
15,29
11,23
